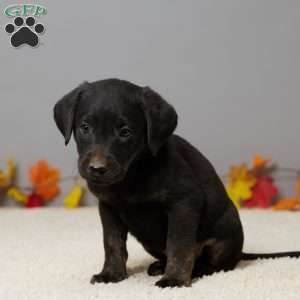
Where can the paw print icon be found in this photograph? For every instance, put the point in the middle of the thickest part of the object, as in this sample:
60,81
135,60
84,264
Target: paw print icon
24,31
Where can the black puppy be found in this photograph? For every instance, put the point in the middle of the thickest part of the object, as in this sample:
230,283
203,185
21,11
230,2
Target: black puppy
150,183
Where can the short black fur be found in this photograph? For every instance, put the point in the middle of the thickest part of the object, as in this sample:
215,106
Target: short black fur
151,183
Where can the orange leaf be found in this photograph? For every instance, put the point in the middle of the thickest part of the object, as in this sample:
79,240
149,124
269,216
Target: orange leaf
286,204
45,179
259,162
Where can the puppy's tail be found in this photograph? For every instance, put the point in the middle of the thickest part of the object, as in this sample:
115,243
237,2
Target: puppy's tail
254,256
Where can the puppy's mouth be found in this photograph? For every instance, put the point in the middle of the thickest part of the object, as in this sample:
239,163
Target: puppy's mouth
95,181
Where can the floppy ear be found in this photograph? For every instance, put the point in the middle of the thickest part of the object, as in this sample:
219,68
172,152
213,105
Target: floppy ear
161,119
64,111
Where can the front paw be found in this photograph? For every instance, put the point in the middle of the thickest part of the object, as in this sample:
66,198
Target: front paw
107,277
172,282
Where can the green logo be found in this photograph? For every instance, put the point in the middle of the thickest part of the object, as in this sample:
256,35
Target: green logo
24,29
24,10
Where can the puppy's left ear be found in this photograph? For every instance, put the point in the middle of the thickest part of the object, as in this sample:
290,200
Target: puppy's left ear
64,111
161,119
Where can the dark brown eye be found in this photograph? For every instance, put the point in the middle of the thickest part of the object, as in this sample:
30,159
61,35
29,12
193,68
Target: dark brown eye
125,132
85,128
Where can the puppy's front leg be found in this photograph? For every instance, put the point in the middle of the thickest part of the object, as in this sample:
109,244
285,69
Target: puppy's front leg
114,236
181,240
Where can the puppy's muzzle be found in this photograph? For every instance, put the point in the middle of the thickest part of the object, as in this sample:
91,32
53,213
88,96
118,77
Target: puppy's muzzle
97,164
100,169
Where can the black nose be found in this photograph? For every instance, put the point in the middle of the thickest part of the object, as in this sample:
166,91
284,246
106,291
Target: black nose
97,171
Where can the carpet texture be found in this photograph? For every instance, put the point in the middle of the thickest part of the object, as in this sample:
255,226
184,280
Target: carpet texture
52,253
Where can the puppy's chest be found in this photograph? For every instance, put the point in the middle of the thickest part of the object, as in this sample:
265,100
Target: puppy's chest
137,200
144,214
148,223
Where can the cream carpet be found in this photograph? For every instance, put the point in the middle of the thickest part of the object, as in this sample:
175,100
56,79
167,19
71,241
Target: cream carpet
52,253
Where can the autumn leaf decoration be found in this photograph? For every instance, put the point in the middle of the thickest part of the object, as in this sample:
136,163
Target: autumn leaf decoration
45,181
251,187
291,203
7,177
241,181
263,193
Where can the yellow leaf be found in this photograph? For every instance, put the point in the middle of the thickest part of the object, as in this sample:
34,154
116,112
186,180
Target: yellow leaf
16,194
241,173
11,168
239,191
73,199
7,177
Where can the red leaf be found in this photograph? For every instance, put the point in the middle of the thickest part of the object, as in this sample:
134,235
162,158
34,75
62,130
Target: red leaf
262,193
33,201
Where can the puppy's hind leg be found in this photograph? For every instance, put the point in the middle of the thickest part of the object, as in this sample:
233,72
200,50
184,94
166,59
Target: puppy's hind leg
216,256
158,267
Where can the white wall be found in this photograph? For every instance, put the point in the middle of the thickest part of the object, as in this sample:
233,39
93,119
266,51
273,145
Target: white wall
231,68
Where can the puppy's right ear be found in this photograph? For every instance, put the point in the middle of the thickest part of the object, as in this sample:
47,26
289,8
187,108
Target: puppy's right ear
64,111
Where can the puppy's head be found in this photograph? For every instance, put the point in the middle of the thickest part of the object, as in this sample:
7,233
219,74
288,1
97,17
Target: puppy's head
113,121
